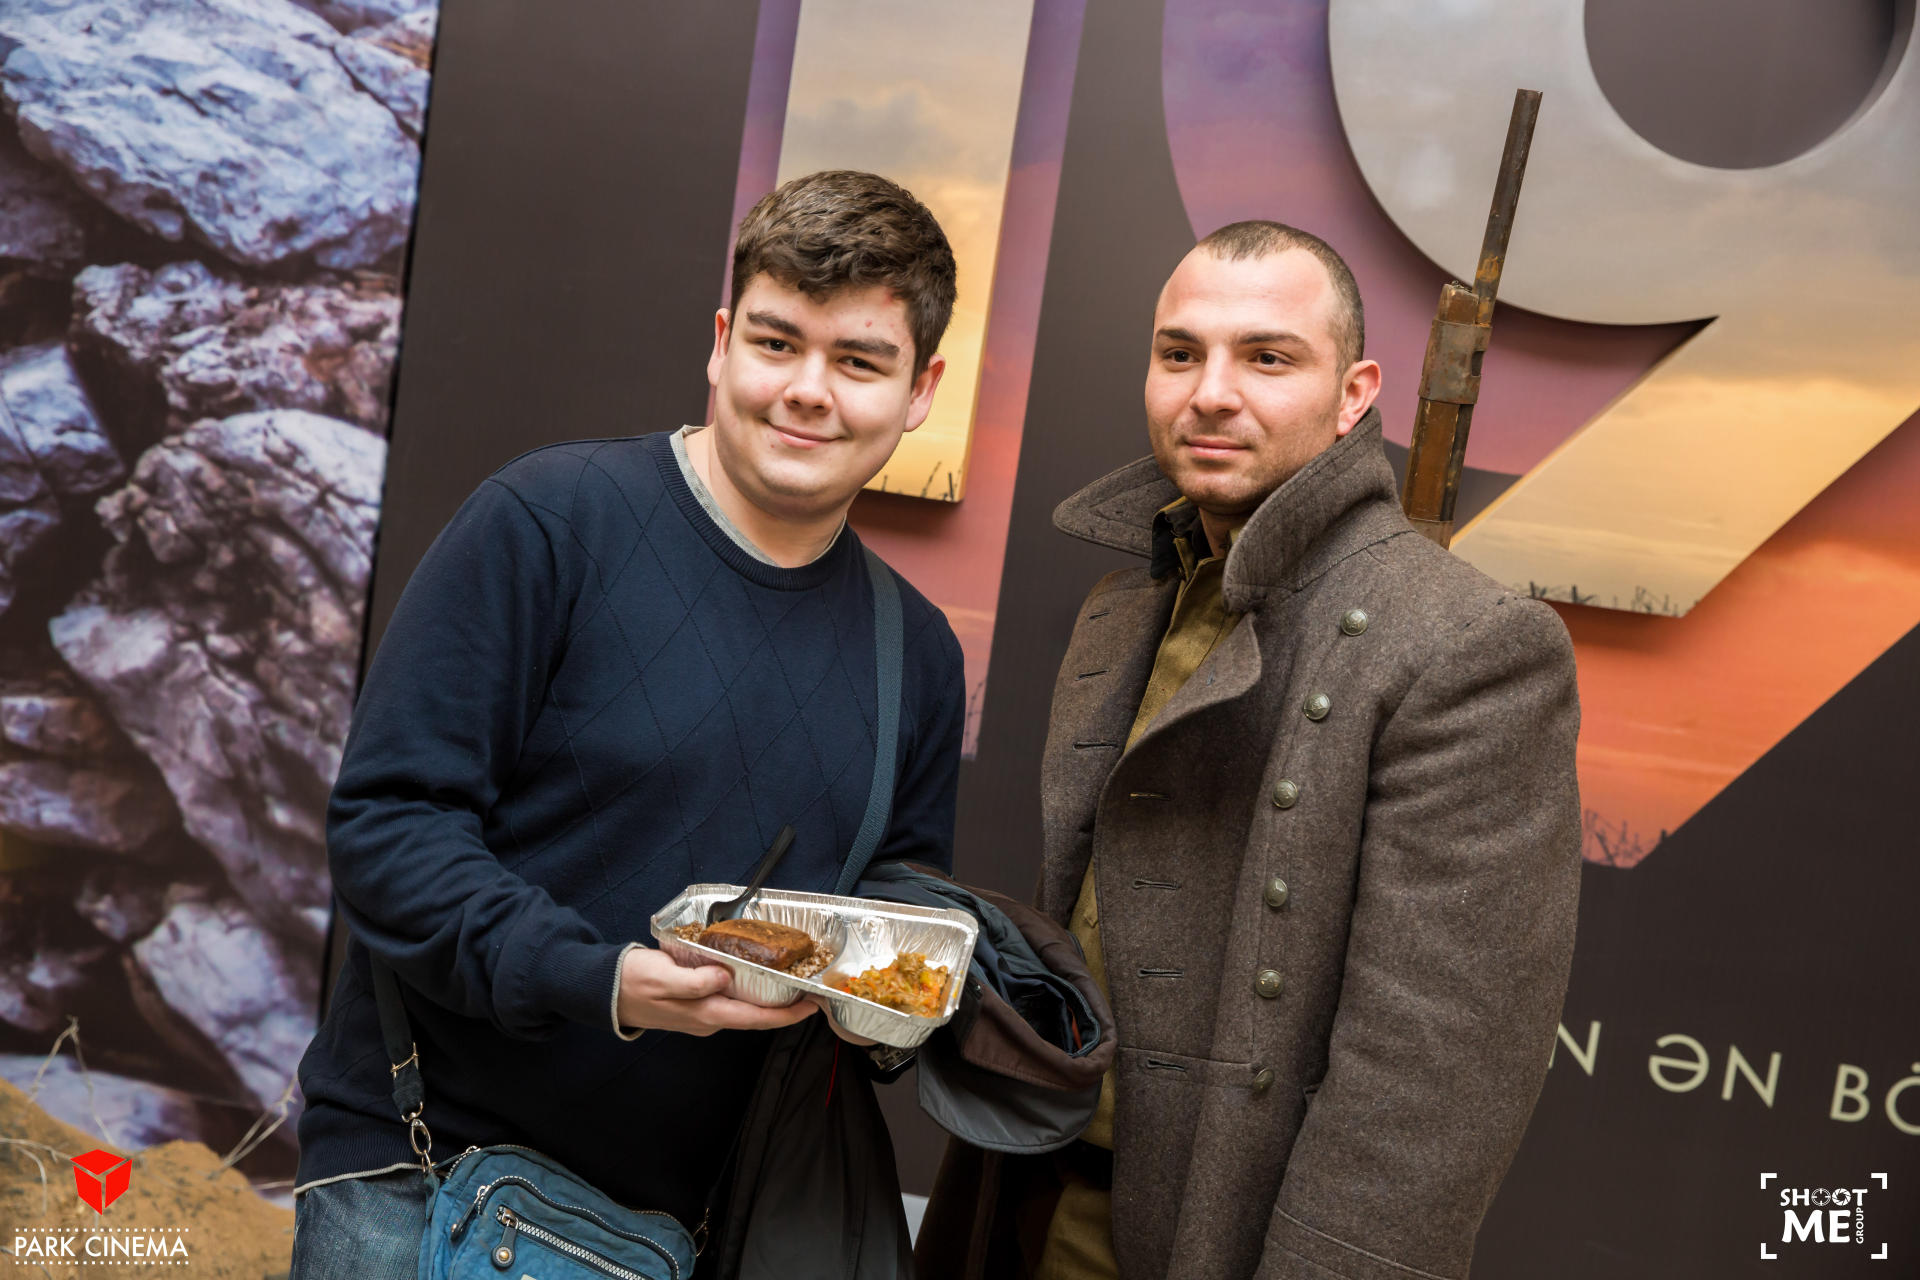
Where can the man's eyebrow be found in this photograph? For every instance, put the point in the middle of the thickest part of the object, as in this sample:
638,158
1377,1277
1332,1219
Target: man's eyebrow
1271,338
779,324
868,347
1257,338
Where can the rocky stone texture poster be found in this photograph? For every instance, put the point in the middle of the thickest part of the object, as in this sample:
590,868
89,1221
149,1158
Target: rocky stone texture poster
204,207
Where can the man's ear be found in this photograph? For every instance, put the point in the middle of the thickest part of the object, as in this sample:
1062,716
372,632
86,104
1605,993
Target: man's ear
722,331
923,388
1357,393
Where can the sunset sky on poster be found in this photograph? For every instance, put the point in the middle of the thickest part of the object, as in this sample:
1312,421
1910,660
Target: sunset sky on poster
928,97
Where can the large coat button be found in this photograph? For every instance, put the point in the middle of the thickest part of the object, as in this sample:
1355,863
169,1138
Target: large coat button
1268,983
1275,893
1353,621
1286,793
1263,1080
1317,706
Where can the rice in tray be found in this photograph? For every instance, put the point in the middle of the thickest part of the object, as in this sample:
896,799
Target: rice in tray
822,954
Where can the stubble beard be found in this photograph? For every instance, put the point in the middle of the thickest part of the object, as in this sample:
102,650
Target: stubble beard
1233,495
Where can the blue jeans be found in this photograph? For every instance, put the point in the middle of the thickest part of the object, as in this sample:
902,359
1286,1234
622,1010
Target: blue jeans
363,1228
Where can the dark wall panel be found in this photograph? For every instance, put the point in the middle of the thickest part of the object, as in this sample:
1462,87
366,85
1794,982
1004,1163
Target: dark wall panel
1119,228
575,199
1772,922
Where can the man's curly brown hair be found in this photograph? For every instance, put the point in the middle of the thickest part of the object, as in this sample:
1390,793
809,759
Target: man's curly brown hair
843,229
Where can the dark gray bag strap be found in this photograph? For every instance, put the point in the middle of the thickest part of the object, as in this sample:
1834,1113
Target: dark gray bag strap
409,1092
888,658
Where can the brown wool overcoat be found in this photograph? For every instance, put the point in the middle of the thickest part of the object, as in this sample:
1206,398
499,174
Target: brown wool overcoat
1337,880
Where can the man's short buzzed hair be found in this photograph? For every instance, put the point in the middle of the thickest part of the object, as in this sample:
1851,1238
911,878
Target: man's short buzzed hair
1258,239
844,229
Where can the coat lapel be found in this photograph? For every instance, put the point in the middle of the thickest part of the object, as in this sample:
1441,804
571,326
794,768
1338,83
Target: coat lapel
1118,659
1231,671
1101,682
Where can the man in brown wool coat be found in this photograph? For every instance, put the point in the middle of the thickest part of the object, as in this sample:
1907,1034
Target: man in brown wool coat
1310,807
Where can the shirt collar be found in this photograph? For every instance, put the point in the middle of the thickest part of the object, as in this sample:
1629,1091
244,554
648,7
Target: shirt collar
1180,539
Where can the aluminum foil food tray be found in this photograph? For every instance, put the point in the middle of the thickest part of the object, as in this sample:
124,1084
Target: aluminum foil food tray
863,934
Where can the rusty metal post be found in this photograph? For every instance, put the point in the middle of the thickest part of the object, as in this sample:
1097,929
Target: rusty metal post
1450,376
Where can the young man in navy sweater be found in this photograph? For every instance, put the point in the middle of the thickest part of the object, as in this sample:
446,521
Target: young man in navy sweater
620,670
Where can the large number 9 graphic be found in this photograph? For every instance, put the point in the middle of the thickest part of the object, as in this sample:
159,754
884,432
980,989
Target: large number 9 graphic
1808,271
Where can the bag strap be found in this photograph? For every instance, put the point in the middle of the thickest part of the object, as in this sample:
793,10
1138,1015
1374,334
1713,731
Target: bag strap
888,659
403,1058
409,1090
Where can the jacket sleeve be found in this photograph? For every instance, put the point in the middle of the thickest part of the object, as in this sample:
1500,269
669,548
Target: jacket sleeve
460,675
1456,965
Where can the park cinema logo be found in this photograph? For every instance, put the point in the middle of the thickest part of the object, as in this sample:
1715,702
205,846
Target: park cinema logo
1824,1218
101,1177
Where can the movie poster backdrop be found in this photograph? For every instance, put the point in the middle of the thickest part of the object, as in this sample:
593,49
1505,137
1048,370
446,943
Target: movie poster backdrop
1695,437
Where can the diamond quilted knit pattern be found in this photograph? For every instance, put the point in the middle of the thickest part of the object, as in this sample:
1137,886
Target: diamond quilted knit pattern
589,698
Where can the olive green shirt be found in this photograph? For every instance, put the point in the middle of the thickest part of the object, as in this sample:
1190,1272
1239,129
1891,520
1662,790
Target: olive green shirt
1079,1240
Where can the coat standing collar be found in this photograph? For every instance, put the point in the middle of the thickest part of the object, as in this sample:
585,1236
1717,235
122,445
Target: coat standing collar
1342,500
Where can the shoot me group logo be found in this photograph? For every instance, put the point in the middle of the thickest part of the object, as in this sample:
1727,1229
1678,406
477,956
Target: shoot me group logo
1825,1217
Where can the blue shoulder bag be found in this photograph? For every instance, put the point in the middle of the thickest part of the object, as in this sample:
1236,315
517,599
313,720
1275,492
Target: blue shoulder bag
508,1212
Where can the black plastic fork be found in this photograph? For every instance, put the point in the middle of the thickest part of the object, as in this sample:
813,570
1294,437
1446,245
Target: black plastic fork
732,908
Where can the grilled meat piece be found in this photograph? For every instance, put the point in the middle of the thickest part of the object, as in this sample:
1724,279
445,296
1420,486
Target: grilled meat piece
762,942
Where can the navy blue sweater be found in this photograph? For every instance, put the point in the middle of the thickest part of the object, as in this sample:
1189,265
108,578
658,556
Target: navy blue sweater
588,698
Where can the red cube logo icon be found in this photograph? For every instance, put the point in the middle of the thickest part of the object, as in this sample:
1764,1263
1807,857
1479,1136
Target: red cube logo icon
101,1177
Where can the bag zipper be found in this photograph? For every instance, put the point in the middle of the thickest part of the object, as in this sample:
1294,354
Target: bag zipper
480,1199
474,1207
517,1225
480,1196
456,1162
